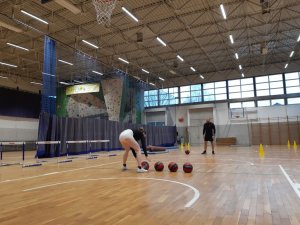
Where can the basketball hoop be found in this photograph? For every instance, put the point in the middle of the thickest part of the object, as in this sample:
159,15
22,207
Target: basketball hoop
104,10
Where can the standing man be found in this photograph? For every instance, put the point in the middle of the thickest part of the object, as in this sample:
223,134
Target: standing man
209,132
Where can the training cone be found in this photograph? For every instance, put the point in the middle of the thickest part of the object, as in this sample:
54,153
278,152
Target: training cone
289,145
189,146
261,151
181,147
295,145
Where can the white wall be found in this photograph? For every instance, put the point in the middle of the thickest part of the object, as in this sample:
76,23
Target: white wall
225,125
18,129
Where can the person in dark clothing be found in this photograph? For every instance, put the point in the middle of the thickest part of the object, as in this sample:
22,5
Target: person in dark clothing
140,135
209,132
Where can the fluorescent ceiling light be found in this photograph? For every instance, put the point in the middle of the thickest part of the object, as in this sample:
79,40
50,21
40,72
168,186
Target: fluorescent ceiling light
123,60
97,72
17,46
192,68
7,64
52,96
79,82
179,57
286,65
243,75
292,53
71,64
65,83
223,11
10,27
36,83
3,77
172,72
68,6
146,71
231,39
161,41
298,38
130,14
202,76
137,77
48,74
34,17
152,84
89,43
236,56
161,78
240,67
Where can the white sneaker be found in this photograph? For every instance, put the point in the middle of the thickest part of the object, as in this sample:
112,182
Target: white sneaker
142,170
125,168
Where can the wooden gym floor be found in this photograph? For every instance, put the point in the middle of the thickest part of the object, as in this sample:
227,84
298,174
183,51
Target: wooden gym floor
236,186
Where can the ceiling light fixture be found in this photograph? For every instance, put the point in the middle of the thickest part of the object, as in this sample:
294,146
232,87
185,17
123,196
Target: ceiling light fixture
231,39
3,77
192,68
202,77
240,67
298,38
243,75
152,83
172,72
123,60
223,11
7,64
146,71
79,82
97,72
179,57
65,83
161,41
236,56
32,82
17,46
130,14
89,43
71,64
34,17
286,65
161,78
292,53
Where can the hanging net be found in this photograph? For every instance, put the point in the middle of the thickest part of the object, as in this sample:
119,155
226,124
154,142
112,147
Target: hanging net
104,10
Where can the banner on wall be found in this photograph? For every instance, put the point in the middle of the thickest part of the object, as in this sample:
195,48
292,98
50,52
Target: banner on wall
82,88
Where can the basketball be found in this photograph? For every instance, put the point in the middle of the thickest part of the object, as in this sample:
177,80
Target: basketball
159,166
187,167
173,167
187,152
145,165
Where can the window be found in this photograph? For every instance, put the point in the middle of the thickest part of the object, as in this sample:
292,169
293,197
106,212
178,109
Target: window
277,102
190,94
292,83
291,101
236,105
263,103
214,91
241,88
269,85
168,96
151,98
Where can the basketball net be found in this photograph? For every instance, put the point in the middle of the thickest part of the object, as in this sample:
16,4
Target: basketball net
104,10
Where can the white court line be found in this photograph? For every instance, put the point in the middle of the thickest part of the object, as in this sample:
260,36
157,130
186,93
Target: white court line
297,185
294,186
187,205
47,174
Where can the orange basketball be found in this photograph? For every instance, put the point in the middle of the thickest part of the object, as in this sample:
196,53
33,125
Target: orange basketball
145,165
187,167
173,167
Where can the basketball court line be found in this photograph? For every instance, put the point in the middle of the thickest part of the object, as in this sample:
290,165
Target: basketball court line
187,205
295,186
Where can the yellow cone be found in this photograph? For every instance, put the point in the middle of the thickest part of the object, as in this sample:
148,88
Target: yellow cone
261,151
181,147
295,145
289,145
189,146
